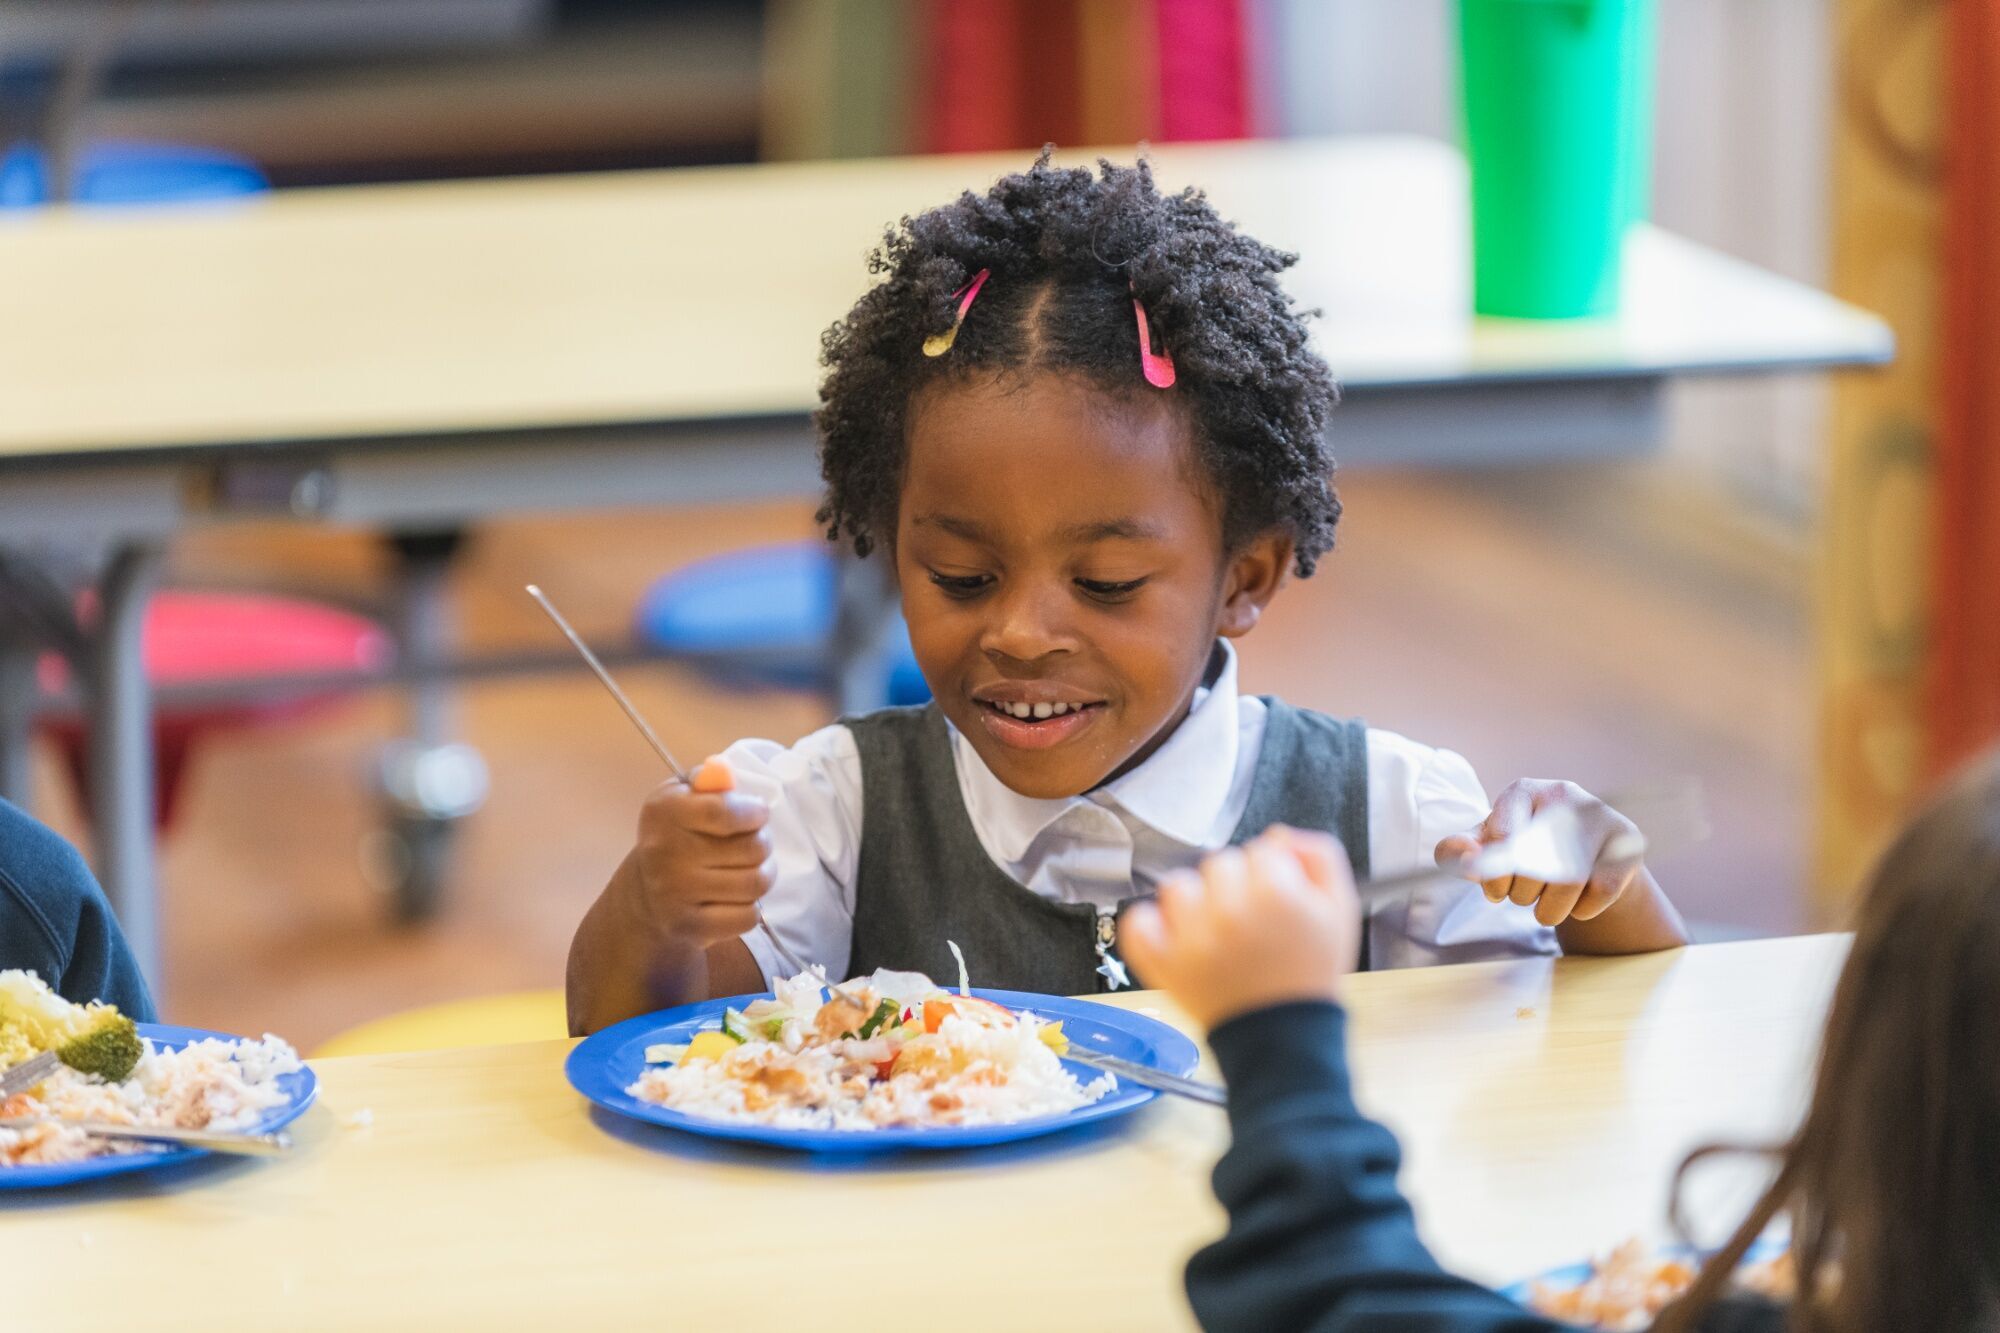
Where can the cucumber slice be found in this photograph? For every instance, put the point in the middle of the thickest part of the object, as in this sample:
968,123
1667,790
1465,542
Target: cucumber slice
884,1011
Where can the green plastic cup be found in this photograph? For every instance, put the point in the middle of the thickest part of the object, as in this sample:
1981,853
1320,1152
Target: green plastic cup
1642,57
1550,91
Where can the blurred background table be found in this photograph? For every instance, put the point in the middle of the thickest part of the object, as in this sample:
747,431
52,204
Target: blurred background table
417,357
431,313
472,1187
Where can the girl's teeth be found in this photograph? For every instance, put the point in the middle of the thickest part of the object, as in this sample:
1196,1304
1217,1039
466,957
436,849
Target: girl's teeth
1037,712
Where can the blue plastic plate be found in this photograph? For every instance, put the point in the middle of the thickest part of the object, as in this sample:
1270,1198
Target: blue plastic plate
299,1088
1574,1275
604,1065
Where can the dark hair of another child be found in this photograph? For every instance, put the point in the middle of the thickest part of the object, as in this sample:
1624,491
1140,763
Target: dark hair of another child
1068,249
1892,1181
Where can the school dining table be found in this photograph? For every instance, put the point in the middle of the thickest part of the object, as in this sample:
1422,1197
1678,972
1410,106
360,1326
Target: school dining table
1542,1105
419,357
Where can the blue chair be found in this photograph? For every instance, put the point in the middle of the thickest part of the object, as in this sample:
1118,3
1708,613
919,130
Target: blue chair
763,616
131,173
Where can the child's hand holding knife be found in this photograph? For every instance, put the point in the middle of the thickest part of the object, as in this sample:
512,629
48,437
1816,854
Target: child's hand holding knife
1574,872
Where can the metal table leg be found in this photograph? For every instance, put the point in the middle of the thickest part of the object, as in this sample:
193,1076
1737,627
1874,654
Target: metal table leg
121,753
423,627
429,781
17,714
37,613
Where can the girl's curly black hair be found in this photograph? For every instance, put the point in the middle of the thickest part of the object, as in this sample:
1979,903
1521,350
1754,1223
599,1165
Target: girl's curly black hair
1068,250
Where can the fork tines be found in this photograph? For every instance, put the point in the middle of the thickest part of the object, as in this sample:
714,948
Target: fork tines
27,1074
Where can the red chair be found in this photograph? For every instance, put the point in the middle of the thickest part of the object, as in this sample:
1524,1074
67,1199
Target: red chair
193,637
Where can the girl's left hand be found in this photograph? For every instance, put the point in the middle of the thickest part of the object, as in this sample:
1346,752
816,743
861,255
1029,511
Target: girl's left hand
1557,901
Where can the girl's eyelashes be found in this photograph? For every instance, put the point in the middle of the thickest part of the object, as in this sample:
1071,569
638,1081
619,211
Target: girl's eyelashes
1105,591
961,585
965,586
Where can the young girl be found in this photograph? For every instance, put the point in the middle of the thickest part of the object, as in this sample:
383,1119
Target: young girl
1892,1182
1082,421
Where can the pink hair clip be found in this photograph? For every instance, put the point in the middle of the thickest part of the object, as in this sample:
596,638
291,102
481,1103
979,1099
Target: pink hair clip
940,343
1159,367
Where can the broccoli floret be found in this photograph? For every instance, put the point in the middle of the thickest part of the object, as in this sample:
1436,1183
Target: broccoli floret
92,1039
110,1049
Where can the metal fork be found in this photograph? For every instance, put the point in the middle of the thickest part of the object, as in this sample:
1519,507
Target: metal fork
791,960
28,1073
215,1140
785,955
1213,1094
1669,814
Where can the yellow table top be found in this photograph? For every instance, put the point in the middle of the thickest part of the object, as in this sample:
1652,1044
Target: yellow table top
694,294
1542,1105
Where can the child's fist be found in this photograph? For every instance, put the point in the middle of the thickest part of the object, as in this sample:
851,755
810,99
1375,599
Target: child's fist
1563,880
703,857
1265,924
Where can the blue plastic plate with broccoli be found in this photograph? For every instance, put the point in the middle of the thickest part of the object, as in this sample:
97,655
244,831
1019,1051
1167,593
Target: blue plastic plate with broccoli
299,1088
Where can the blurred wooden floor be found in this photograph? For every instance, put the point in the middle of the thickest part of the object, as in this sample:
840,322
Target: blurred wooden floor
1602,625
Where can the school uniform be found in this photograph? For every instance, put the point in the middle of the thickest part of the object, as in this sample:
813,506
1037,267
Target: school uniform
1319,1236
891,836
55,922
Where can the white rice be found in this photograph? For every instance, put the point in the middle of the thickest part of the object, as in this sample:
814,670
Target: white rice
208,1084
997,1075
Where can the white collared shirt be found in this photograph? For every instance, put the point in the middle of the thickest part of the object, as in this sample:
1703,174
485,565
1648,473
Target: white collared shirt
1121,839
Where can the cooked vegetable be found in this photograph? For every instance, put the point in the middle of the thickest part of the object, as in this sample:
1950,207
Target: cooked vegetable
888,1049
91,1039
839,1017
710,1045
884,1011
110,1049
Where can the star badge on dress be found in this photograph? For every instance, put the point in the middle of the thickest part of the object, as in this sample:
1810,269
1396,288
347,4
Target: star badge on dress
1112,969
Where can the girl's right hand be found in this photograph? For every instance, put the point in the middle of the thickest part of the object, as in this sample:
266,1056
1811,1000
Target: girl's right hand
1273,922
703,857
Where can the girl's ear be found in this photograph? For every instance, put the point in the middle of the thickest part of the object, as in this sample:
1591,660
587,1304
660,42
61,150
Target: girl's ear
1255,574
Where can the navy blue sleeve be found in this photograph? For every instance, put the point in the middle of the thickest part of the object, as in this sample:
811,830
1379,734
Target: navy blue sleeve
1319,1236
54,920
